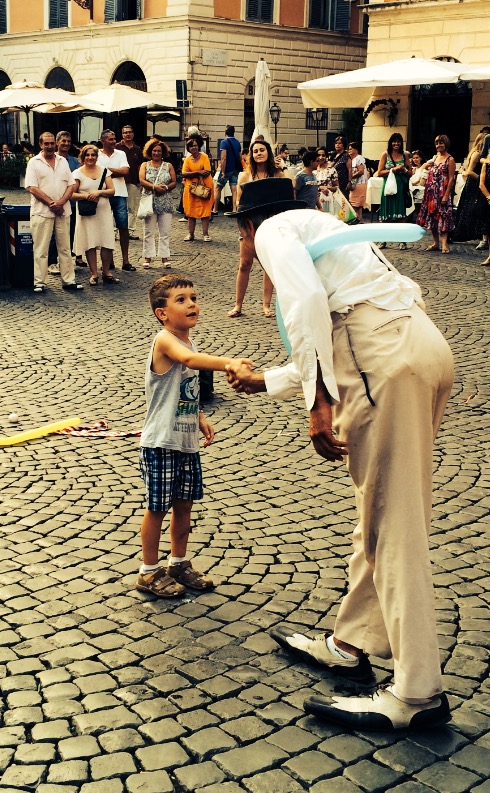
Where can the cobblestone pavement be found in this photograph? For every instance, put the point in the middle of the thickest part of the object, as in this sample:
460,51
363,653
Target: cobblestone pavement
105,689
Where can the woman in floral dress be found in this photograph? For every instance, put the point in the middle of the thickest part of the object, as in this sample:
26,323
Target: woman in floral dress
436,212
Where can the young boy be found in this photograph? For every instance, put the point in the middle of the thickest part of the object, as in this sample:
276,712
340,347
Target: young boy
305,184
169,454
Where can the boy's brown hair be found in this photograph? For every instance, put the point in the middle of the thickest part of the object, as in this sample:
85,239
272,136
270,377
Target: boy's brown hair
160,289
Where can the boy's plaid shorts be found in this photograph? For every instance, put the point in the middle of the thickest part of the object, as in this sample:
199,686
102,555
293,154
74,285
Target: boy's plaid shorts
169,474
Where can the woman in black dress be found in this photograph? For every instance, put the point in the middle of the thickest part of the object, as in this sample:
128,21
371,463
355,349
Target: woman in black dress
472,208
343,165
485,189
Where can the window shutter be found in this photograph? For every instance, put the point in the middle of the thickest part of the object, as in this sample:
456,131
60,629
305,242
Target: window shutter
319,14
63,14
341,15
3,16
253,9
110,11
266,10
138,9
53,13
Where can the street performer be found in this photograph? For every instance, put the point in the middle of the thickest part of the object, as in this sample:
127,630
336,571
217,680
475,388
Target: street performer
376,374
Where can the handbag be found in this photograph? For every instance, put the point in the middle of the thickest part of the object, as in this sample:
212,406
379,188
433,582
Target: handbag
391,187
145,207
87,208
199,189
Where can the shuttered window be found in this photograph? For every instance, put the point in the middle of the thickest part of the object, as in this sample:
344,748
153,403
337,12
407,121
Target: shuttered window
120,10
3,16
58,13
330,14
260,10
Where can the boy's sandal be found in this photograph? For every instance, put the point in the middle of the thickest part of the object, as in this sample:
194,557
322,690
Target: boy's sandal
159,584
110,279
185,574
93,280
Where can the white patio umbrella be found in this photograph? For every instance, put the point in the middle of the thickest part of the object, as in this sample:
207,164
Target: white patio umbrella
261,101
355,88
476,73
26,96
116,97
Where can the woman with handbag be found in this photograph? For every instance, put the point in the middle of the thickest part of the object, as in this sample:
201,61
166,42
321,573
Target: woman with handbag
395,167
198,189
157,179
94,227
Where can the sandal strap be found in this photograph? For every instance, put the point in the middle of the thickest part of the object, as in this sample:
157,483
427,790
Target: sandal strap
160,581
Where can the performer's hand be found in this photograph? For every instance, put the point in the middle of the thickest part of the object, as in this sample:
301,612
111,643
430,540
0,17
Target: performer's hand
243,379
321,434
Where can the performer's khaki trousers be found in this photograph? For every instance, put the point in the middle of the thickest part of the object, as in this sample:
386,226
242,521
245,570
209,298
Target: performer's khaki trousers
41,230
408,373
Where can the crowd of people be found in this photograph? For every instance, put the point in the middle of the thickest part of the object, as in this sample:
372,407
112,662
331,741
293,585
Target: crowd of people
414,188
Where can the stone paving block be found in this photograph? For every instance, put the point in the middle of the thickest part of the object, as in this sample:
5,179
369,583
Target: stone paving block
51,731
102,721
72,771
34,754
309,767
106,786
405,757
259,695
23,776
49,677
96,702
61,691
23,699
18,683
93,684
347,748
121,740
247,729
78,748
6,755
372,776
161,731
117,764
148,782
276,780
251,759
84,668
46,788
62,708
221,787
342,785
154,709
447,777
205,743
191,777
473,758
22,716
166,755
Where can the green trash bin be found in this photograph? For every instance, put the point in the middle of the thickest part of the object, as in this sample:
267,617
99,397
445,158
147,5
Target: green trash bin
21,270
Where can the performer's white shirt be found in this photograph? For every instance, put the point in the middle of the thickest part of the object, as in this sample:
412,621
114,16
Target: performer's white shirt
309,292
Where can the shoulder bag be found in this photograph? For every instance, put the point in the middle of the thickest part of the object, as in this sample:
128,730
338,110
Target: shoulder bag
145,208
87,208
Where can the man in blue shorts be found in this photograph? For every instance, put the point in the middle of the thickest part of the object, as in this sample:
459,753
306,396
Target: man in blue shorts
230,167
117,166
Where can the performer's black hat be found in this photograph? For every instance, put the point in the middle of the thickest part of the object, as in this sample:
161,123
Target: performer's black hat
267,194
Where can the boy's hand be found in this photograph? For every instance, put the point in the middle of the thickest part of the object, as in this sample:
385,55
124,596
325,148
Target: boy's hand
243,380
206,429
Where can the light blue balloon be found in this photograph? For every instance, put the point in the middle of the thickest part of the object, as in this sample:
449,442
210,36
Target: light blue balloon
374,232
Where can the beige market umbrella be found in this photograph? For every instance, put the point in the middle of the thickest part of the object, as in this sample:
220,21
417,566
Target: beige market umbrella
355,88
115,98
26,96
261,101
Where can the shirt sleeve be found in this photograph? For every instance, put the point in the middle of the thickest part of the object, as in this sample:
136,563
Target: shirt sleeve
31,179
283,382
303,302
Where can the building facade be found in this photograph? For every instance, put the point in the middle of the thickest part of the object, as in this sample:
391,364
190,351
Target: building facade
199,53
444,29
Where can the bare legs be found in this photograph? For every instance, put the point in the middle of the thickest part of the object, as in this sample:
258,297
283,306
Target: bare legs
242,279
106,259
192,227
151,527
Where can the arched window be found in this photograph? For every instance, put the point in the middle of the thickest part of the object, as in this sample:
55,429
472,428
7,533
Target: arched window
129,73
59,78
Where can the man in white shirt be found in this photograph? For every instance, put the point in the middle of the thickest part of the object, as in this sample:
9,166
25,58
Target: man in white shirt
375,374
117,166
51,184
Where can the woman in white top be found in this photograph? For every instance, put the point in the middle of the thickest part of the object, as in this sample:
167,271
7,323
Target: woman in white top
261,166
357,196
157,176
94,231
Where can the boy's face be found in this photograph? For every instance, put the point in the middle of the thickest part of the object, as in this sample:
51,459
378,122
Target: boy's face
182,310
